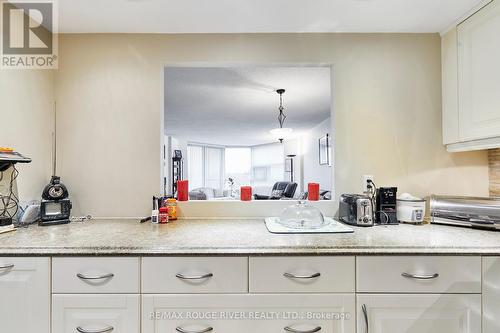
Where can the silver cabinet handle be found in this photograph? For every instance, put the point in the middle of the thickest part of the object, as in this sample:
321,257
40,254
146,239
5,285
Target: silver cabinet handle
102,330
420,277
293,276
293,330
365,316
8,266
204,330
193,277
97,277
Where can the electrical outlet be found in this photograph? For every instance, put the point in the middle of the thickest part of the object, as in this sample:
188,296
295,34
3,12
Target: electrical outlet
366,178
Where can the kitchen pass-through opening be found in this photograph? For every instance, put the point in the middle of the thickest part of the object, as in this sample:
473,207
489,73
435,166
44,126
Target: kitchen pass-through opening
248,132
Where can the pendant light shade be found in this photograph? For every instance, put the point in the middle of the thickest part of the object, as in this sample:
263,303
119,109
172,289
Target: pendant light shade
281,133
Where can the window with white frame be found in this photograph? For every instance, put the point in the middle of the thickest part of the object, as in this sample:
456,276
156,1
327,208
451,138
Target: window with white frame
259,166
238,165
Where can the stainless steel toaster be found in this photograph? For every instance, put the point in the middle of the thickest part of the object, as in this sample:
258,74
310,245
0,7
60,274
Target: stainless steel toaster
356,209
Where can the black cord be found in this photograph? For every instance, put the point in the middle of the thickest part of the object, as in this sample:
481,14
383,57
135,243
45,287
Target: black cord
15,200
10,201
373,198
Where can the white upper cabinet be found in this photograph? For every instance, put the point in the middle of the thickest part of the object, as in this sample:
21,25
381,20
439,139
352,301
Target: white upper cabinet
479,74
471,82
449,59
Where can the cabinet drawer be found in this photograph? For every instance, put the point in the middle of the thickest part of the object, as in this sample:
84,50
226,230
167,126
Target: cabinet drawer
95,275
419,313
301,274
24,294
414,274
195,275
268,313
95,313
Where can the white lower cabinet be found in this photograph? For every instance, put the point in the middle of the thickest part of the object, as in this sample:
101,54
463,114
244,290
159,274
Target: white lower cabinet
409,313
491,294
294,274
419,274
195,275
392,295
24,295
95,313
252,313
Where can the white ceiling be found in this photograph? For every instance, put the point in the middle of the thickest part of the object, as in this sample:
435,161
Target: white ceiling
240,16
238,106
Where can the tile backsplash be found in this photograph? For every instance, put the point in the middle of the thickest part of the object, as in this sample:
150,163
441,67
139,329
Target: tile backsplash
494,161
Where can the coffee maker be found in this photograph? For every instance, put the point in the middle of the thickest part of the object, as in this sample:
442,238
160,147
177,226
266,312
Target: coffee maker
387,205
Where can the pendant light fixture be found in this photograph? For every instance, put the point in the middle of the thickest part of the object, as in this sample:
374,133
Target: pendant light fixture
281,132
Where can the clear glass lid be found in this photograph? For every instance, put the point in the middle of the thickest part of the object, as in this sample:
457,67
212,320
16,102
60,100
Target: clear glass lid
302,216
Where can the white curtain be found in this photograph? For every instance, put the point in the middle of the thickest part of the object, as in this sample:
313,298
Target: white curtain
214,172
267,166
205,167
195,166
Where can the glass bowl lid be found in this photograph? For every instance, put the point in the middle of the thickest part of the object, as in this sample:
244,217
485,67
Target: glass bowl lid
302,216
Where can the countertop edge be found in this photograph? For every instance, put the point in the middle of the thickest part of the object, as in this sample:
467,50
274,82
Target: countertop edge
245,252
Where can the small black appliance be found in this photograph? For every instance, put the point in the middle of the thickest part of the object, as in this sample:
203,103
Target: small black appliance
387,205
55,207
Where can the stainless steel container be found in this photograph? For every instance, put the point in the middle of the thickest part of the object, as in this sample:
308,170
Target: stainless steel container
472,212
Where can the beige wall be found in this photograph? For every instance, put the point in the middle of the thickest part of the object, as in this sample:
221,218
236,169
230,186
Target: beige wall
26,124
387,102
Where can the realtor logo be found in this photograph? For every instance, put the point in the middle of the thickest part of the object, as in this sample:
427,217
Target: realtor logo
28,34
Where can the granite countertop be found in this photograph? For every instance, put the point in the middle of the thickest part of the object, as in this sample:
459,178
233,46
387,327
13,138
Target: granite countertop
239,237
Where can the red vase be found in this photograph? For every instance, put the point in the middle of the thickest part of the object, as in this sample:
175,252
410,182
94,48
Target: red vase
313,191
246,193
182,190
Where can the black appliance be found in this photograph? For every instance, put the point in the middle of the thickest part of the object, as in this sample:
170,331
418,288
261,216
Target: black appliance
55,207
386,212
